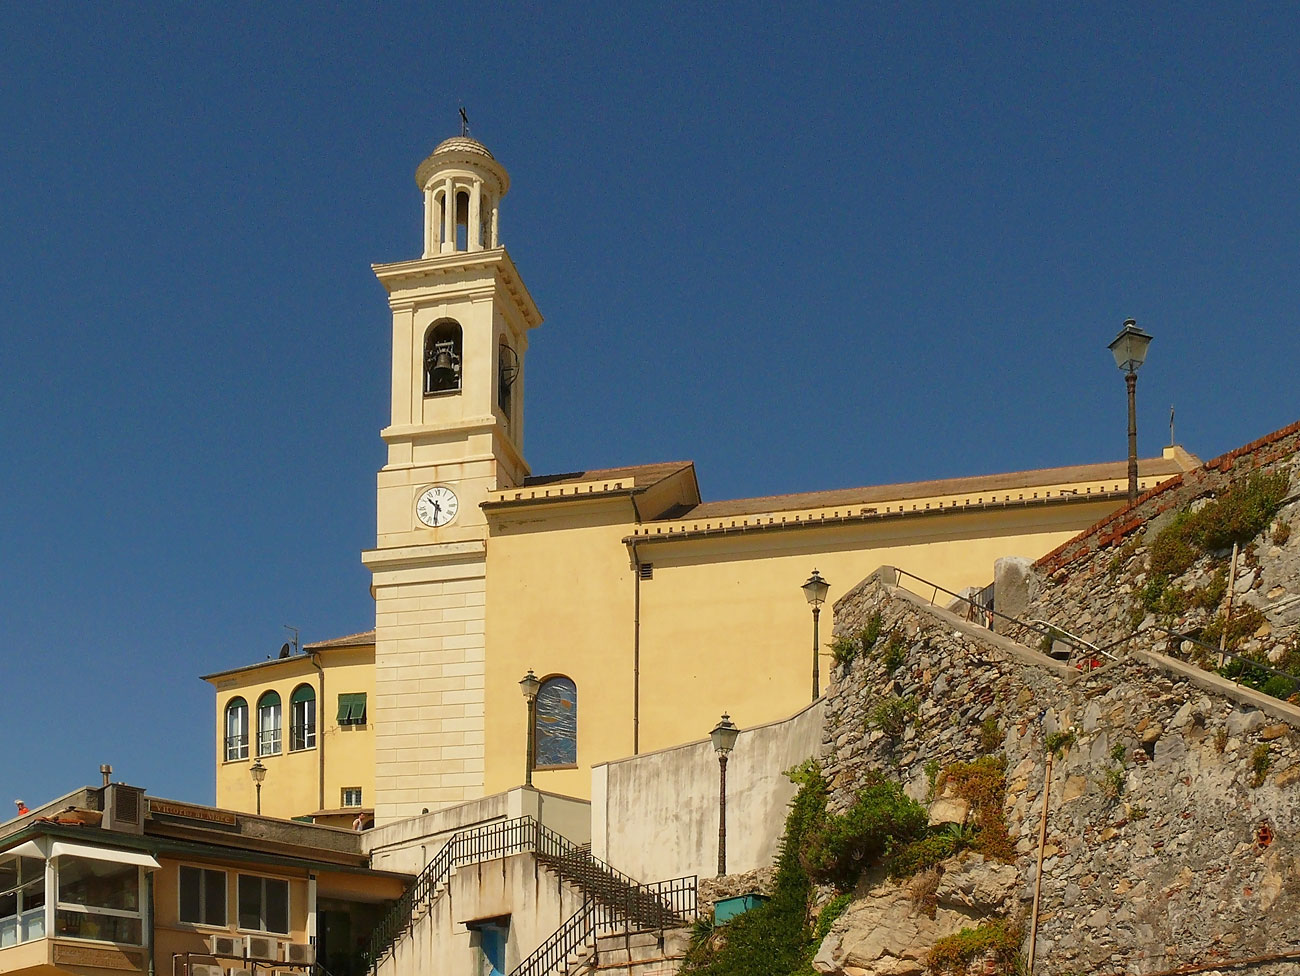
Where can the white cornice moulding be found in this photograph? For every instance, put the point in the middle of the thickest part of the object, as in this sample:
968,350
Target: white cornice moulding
377,560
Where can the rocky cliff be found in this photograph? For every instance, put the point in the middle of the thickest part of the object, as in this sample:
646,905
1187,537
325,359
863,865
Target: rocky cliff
1170,797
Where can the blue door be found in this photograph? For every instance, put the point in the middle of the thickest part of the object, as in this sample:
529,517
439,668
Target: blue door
492,940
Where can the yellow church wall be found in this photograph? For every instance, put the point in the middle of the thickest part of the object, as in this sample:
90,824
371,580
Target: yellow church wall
559,601
293,777
725,625
723,622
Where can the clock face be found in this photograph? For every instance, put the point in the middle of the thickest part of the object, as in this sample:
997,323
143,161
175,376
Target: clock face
436,506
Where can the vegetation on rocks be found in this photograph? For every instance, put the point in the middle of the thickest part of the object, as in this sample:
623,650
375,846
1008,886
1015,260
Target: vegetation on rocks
891,714
997,941
881,820
983,784
846,647
1236,516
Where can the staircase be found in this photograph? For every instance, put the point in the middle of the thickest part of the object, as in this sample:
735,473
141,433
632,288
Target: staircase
612,900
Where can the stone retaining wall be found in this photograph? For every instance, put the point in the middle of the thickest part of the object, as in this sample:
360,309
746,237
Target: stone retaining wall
1180,850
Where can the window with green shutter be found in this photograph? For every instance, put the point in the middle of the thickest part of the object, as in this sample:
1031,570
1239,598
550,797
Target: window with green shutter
352,708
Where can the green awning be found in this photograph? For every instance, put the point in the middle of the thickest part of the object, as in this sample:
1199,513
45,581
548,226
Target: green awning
352,708
303,693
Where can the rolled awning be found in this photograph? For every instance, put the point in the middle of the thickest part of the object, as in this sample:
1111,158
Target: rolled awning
61,847
28,848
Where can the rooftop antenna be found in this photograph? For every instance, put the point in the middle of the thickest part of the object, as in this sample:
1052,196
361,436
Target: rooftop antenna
1171,425
284,651
464,122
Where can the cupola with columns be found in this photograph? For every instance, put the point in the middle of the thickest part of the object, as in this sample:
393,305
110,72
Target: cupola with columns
461,317
463,185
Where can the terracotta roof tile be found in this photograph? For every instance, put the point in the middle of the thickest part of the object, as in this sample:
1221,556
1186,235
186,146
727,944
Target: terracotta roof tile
640,474
351,640
1116,471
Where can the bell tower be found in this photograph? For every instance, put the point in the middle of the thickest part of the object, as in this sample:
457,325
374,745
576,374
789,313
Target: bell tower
461,318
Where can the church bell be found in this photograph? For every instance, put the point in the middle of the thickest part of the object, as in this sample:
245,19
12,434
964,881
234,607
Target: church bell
445,372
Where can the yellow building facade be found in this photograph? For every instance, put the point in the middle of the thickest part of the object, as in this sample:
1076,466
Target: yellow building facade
643,610
307,720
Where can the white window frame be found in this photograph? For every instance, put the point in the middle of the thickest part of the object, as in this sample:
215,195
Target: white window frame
288,904
203,895
240,745
268,730
343,797
71,906
307,725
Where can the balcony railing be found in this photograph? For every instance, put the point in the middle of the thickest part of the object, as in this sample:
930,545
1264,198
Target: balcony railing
268,742
302,737
236,747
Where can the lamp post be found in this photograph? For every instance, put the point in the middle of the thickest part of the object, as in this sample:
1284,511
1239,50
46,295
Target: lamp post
258,772
724,739
530,686
1130,350
815,590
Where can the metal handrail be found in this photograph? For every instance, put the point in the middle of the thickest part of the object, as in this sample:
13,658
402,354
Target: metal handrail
1048,629
676,904
604,884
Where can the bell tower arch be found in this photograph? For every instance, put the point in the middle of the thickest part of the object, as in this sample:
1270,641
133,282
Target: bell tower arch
461,318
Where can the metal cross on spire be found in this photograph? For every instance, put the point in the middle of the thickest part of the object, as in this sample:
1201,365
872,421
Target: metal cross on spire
464,122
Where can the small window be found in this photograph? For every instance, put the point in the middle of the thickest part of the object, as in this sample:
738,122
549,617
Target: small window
268,724
302,718
646,571
236,729
352,796
263,904
557,723
203,896
442,352
352,709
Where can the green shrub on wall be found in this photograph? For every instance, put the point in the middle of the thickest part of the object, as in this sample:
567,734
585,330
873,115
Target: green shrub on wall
882,819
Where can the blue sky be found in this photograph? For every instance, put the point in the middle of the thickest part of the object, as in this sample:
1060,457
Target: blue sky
806,246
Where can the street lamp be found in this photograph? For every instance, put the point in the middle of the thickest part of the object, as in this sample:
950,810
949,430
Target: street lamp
1130,350
530,686
815,590
724,739
258,772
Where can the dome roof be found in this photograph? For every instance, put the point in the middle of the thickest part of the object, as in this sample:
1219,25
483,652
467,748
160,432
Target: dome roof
462,144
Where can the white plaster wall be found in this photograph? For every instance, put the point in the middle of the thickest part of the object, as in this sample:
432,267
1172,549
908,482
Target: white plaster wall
655,816
440,941
408,845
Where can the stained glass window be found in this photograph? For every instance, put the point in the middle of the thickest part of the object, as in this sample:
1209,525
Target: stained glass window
557,723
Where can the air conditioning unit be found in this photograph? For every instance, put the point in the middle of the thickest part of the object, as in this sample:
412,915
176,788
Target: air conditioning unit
226,946
303,953
263,948
206,969
241,972
123,808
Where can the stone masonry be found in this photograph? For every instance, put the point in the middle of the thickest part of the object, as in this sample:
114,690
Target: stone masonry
1172,818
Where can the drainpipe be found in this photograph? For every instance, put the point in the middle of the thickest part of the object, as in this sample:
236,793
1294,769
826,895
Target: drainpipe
1038,879
149,914
636,637
321,712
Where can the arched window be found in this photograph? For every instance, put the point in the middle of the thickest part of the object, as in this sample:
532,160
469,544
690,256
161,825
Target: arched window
236,729
302,718
268,724
557,723
442,350
507,373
